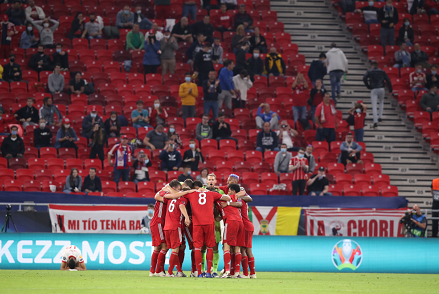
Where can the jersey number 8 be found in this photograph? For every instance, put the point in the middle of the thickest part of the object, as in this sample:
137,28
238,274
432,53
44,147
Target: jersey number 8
172,205
202,200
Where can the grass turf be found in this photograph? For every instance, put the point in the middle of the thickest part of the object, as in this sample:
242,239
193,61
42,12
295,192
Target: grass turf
128,282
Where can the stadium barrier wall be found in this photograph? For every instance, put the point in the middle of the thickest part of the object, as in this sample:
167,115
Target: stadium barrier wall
272,253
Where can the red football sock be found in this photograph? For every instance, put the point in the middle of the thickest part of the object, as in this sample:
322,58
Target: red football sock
173,260
244,261
251,263
237,262
161,261
194,265
226,260
209,258
198,259
154,258
232,263
181,257
177,260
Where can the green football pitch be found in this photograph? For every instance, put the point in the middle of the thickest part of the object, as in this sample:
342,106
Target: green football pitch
128,282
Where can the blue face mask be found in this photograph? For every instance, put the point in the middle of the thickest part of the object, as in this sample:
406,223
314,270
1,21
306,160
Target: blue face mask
358,110
255,55
407,23
301,155
433,72
192,146
419,70
14,132
150,211
371,3
93,114
146,160
0,118
171,130
58,50
188,173
187,79
126,11
283,150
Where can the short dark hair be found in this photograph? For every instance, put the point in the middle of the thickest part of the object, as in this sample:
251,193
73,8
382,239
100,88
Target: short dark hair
302,149
57,65
192,140
92,13
187,74
220,114
349,134
283,144
243,72
234,187
199,35
30,99
322,55
435,65
14,127
93,168
211,188
418,64
223,4
151,205
198,184
72,263
216,38
59,44
11,55
189,183
374,63
46,99
174,184
39,45
139,102
227,62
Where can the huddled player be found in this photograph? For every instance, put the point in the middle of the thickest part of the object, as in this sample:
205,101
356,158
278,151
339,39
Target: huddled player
72,259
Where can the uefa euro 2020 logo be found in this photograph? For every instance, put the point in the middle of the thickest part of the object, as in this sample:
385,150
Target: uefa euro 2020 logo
347,254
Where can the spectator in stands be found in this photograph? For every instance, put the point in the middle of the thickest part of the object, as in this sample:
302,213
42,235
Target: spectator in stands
168,47
257,41
274,64
299,168
375,80
432,77
211,90
317,69
135,39
203,129
125,18
155,31
266,139
192,157
93,28
66,136
217,51
12,70
156,139
28,115
73,182
56,81
195,47
175,137
112,126
141,168
370,13
402,57
140,116
286,136
231,4
61,57
255,65
188,93
430,101
77,84
203,176
48,110
40,61
359,114
185,175
171,159
190,8
123,156
182,31
8,31
224,21
88,123
16,13
13,145
221,130
46,31
42,135
337,65
326,120
142,20
388,17
34,12
318,185
350,151
162,8
227,86
316,97
242,84
28,38
418,79
204,27
151,59
158,114
299,86
241,63
310,157
418,7
243,18
419,57
282,160
267,116
406,34
92,183
239,38
347,6
78,26
203,64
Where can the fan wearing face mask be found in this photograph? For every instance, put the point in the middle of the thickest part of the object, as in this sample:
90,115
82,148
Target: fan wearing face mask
168,46
66,136
370,13
255,65
89,121
112,126
433,77
92,28
42,135
359,114
388,17
13,145
40,61
46,31
192,157
141,165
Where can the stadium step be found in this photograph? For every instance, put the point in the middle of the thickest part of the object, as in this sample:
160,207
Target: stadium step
396,145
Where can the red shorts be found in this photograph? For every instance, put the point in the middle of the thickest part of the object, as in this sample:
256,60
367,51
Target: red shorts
189,233
173,238
248,239
204,234
234,233
157,235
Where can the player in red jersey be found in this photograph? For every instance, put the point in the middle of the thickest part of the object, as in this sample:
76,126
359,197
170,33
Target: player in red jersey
246,251
234,232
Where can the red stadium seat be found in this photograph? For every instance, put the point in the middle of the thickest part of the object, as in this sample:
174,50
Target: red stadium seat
13,185
242,167
227,145
157,176
349,190
127,187
173,175
269,179
253,156
43,175
48,152
381,180
336,168
108,187
372,168
74,163
146,188
66,153
343,179
55,163
389,191
31,186
17,163
368,190
96,163
249,178
361,180
354,168
24,174
258,189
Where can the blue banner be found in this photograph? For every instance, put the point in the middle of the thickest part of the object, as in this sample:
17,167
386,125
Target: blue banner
272,253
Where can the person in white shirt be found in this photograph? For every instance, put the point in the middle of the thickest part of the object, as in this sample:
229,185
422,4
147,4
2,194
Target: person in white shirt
34,12
286,135
337,66
72,259
242,83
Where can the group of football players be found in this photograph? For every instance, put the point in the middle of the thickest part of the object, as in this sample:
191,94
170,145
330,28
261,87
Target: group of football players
195,211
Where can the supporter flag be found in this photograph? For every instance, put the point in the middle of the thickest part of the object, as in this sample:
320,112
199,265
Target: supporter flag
269,220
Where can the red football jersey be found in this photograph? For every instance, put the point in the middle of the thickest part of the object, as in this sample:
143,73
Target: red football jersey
159,211
202,206
248,225
225,189
230,212
173,213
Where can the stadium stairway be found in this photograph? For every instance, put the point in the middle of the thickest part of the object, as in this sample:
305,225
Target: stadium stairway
396,145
